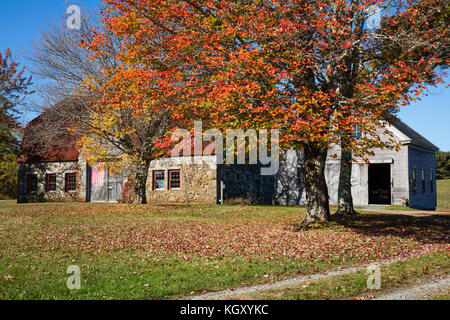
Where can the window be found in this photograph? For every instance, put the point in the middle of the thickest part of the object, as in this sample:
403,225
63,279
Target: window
50,182
174,179
300,179
423,180
431,181
32,185
414,180
71,182
158,180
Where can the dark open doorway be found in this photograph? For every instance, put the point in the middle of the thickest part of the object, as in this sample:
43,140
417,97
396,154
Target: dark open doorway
380,184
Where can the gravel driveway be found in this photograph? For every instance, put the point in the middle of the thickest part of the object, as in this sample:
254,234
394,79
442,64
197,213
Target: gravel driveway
421,291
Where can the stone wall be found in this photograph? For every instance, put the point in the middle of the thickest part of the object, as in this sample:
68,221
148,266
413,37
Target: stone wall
198,180
58,168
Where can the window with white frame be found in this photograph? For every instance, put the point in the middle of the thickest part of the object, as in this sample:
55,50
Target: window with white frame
158,180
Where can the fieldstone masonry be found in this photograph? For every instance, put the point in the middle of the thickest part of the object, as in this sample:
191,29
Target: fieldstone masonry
41,169
198,180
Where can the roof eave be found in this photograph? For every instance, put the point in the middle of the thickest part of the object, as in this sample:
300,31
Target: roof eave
435,149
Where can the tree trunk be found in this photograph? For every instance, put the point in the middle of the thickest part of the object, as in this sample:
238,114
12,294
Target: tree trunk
317,202
345,199
141,183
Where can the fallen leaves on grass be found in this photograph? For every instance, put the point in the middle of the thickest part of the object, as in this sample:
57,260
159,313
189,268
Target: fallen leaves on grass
361,240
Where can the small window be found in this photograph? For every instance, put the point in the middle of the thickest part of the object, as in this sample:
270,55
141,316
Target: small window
300,179
32,185
174,179
414,180
423,181
431,181
71,182
158,180
50,183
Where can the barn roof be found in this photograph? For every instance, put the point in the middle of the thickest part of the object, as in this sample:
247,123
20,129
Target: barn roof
47,138
413,136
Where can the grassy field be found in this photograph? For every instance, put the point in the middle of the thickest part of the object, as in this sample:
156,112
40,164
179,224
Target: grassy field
160,252
443,194
400,208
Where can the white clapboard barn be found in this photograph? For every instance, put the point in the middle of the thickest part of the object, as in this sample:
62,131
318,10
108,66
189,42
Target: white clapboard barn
390,177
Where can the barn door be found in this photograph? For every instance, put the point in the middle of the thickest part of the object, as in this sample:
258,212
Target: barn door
379,184
104,187
114,187
99,188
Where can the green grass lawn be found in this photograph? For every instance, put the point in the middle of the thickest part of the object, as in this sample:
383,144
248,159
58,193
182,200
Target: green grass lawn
400,208
157,252
443,194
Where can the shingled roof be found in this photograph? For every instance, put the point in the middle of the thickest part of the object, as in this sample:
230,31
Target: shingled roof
47,138
414,137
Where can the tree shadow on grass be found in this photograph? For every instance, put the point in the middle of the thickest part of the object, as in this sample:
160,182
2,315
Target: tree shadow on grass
429,229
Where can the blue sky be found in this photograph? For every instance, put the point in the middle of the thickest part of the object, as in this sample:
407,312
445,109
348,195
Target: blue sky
22,20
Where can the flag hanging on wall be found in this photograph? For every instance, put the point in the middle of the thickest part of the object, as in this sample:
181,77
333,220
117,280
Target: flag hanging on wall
98,177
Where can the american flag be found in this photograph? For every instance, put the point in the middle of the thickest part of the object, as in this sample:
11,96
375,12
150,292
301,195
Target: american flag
98,177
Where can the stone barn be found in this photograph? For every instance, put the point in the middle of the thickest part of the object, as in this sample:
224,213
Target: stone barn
51,168
55,171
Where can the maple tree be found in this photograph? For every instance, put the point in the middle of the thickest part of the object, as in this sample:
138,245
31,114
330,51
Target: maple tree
312,69
130,117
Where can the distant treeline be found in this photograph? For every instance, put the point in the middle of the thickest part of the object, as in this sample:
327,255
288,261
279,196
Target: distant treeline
442,165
